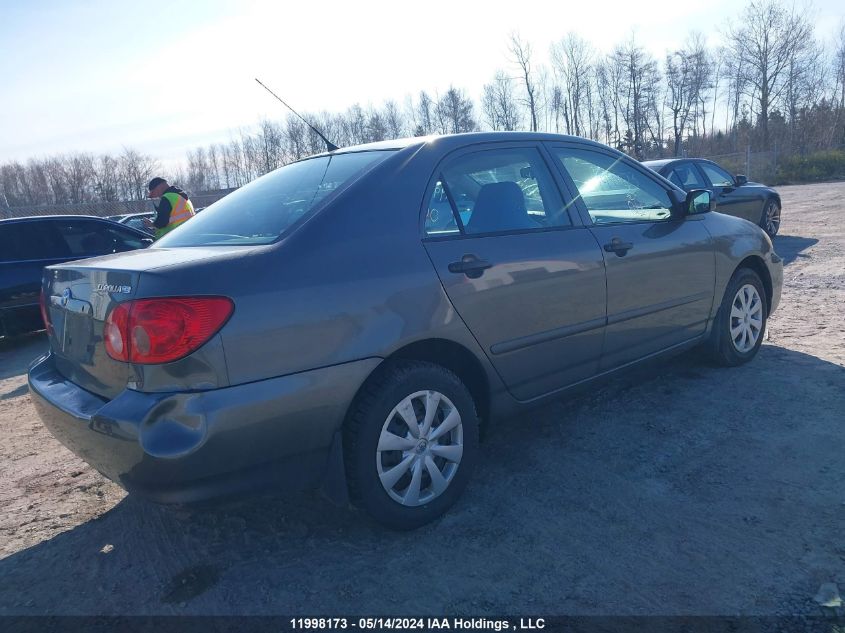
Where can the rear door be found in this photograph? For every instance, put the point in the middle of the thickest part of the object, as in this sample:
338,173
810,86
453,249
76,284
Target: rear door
660,268
25,249
525,276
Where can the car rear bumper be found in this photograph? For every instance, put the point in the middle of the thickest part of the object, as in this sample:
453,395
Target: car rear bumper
181,447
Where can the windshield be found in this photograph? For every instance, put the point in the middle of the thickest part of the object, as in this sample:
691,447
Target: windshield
261,211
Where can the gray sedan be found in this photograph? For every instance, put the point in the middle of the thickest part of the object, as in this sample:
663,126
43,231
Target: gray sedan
354,319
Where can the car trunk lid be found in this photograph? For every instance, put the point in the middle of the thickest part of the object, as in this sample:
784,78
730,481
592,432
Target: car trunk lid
79,297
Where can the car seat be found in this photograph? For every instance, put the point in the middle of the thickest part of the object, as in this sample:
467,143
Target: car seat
500,206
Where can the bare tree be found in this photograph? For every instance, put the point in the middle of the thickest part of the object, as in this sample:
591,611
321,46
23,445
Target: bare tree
635,79
521,52
499,104
394,120
688,78
107,178
136,171
271,146
838,131
376,126
455,112
572,60
423,115
766,40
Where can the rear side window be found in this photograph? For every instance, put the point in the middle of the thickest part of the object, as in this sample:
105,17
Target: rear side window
10,250
493,191
686,176
261,211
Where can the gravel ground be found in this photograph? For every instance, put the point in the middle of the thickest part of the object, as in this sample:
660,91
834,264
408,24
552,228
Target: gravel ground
681,489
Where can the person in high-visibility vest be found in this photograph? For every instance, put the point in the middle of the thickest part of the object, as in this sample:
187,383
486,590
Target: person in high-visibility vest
174,208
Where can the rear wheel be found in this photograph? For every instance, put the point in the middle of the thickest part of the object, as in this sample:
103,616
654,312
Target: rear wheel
738,330
411,443
770,220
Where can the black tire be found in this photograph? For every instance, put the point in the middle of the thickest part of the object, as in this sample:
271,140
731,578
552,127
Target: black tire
721,347
770,217
384,391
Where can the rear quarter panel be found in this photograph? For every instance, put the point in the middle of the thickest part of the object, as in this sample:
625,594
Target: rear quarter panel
352,282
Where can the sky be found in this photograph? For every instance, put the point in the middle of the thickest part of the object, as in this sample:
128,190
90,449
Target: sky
164,77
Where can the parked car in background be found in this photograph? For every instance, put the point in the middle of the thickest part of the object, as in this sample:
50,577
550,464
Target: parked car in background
27,245
734,194
136,221
322,324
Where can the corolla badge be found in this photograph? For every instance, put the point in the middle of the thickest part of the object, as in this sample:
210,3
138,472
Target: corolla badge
114,289
66,296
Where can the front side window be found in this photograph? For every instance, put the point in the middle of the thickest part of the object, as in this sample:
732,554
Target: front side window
686,176
718,176
261,211
85,238
493,191
125,241
613,190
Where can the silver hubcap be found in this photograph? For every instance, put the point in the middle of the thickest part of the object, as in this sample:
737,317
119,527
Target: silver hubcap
772,218
420,448
746,319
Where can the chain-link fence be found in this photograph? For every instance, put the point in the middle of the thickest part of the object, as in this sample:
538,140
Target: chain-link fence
756,166
105,209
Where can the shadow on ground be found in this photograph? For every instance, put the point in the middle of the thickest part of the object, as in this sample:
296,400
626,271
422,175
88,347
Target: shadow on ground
18,352
791,247
681,489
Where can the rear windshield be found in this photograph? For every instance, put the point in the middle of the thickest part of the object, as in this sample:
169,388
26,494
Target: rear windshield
261,211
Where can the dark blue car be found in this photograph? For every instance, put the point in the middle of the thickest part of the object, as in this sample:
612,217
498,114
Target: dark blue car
27,245
734,195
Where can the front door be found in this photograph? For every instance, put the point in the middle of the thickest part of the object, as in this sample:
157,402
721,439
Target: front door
660,268
526,279
731,199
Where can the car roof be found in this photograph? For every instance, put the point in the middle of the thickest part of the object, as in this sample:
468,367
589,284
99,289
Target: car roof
664,162
44,218
453,141
659,164
69,216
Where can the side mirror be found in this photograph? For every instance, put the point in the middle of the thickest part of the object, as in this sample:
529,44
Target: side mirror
147,240
698,201
740,180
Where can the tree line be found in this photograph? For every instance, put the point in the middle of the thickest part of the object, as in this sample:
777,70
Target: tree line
771,86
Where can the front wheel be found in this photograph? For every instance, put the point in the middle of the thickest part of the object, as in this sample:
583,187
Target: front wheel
770,220
411,442
740,323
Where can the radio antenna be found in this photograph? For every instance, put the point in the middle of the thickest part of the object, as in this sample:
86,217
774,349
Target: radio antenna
330,147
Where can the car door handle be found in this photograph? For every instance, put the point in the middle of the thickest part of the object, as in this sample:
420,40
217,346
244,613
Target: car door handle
470,266
619,247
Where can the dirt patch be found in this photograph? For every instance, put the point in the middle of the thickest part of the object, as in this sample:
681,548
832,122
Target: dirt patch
682,489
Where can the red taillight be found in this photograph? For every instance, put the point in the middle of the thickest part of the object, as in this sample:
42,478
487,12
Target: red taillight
154,331
45,313
114,332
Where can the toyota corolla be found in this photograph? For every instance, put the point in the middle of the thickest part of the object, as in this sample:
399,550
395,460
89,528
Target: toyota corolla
354,319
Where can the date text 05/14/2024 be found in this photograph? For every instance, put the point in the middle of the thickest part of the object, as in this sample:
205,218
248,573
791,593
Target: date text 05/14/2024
418,624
